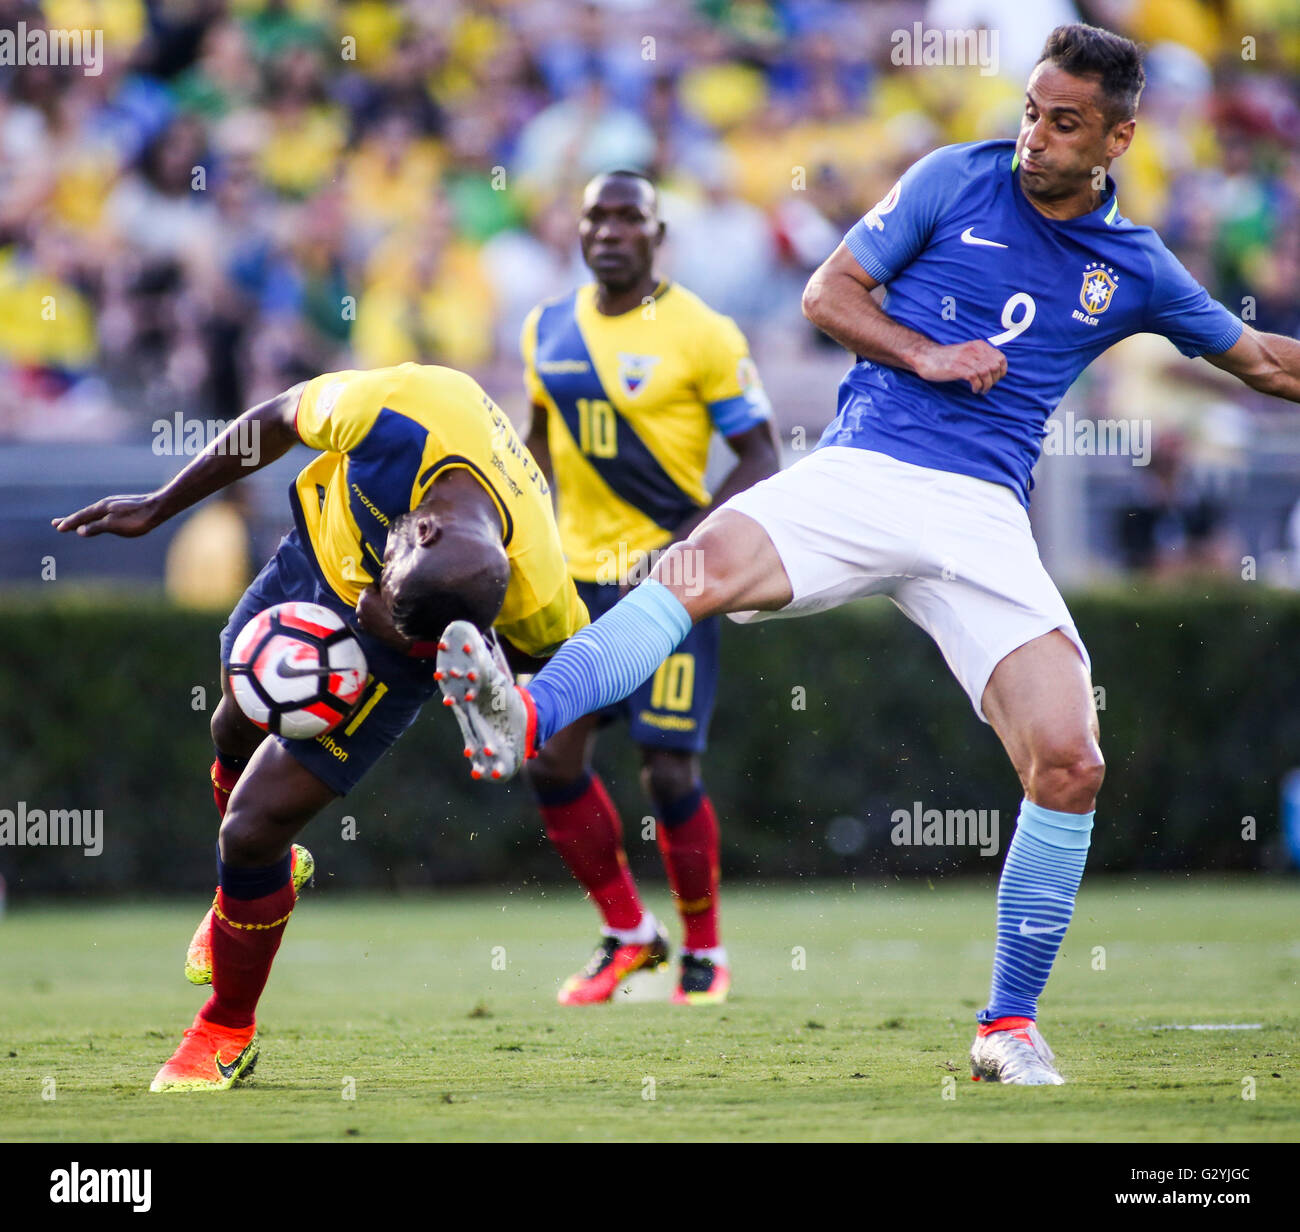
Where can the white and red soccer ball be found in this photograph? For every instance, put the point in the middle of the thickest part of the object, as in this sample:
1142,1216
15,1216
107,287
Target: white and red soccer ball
297,670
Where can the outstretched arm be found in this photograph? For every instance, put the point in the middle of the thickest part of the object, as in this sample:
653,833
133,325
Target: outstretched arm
1269,363
270,425
539,442
838,301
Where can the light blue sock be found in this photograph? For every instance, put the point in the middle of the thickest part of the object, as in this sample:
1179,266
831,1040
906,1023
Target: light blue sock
604,662
1040,878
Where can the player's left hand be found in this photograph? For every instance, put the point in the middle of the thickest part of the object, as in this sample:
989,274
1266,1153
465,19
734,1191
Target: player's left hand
128,516
976,362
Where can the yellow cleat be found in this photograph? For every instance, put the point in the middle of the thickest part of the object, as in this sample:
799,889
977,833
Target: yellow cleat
198,958
702,982
210,1058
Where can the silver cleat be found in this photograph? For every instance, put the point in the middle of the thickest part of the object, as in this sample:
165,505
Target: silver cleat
479,687
1019,1056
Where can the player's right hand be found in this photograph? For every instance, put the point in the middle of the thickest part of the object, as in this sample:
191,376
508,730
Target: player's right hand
128,516
975,362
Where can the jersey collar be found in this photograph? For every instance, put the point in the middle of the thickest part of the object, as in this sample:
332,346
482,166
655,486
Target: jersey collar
587,294
1106,213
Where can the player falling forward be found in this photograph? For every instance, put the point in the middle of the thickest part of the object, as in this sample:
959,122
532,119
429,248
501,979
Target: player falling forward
628,378
423,506
919,487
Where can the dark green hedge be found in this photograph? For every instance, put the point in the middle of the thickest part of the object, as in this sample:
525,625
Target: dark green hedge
1200,722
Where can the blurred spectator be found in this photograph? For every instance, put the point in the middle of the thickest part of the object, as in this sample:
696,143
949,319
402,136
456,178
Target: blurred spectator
209,560
426,298
528,266
721,247
252,191
572,139
1175,528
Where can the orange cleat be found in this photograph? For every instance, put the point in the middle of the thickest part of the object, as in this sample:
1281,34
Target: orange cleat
612,962
210,1058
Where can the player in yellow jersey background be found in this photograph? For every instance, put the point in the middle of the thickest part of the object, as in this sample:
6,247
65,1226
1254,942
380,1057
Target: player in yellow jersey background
629,378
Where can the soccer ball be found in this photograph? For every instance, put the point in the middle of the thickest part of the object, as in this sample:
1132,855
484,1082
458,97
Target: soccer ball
297,670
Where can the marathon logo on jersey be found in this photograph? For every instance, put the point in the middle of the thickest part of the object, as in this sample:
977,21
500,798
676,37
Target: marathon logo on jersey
120,1185
1099,283
634,371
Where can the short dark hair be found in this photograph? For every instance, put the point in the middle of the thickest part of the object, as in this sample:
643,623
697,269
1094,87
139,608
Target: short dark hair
627,173
1089,51
422,610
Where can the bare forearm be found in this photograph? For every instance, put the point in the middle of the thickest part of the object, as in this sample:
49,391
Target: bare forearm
256,439
760,460
538,443
1281,377
838,306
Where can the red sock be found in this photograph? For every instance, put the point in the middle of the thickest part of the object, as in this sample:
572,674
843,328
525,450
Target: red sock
587,832
246,933
223,783
690,850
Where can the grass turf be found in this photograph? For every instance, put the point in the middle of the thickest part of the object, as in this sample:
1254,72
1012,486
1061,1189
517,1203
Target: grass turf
851,1016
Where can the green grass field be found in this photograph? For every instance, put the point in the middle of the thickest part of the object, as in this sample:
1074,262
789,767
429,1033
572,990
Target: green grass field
399,1001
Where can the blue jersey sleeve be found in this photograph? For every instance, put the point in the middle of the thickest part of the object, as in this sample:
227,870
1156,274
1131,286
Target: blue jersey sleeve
894,232
1183,311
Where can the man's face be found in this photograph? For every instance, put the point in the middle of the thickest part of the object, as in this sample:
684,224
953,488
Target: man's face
619,230
1064,137
401,554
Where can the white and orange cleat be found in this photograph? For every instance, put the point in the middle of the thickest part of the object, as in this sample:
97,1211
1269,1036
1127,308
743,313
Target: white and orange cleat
496,717
1013,1050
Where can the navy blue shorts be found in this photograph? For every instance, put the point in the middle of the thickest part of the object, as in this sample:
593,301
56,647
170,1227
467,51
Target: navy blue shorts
397,688
673,708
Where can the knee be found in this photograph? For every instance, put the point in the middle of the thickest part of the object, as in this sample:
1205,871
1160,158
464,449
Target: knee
548,772
668,776
232,731
1067,777
246,838
703,568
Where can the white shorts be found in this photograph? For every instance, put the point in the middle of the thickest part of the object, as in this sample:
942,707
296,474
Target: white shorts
955,553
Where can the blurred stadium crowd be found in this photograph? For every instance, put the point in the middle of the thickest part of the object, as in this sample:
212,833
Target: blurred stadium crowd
254,191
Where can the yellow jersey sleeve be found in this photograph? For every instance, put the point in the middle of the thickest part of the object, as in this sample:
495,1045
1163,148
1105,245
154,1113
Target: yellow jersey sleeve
538,624
336,410
728,382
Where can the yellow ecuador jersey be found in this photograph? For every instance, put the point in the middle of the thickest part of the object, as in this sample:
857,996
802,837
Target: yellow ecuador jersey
387,434
632,402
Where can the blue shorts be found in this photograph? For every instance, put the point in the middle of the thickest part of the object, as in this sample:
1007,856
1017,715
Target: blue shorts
397,688
673,708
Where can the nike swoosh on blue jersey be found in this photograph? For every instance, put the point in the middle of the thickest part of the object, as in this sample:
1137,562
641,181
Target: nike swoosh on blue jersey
968,238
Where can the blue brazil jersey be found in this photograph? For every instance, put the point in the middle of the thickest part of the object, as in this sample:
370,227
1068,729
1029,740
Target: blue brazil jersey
964,255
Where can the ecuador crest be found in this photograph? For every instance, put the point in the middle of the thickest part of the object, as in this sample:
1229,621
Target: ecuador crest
634,371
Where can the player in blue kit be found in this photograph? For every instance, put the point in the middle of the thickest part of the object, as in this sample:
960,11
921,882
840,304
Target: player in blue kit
1008,267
